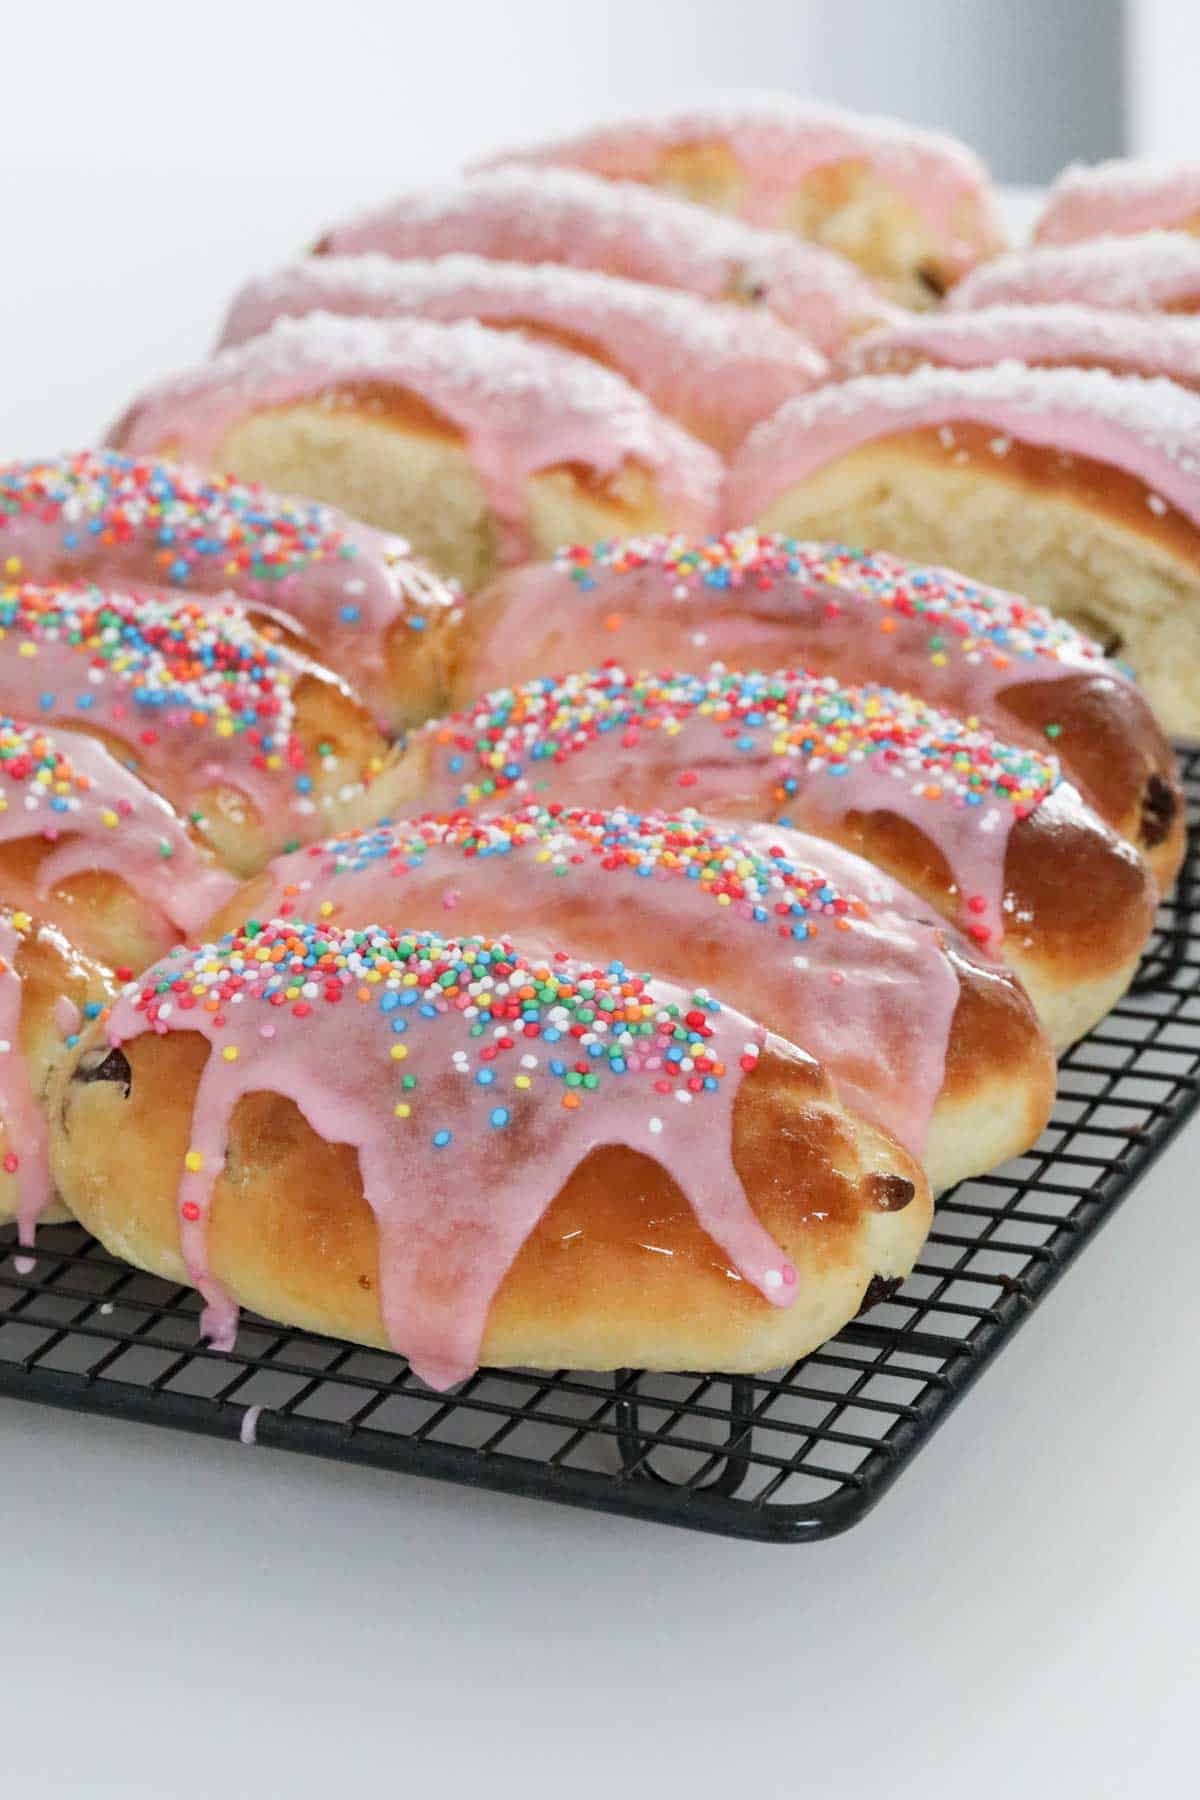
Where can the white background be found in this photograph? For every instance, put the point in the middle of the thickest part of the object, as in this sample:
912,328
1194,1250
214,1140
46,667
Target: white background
179,1618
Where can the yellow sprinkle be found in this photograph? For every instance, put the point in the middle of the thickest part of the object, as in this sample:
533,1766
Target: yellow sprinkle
403,1110
399,1052
231,1053
224,728
109,817
27,650
325,908
521,1081
13,566
22,921
193,1161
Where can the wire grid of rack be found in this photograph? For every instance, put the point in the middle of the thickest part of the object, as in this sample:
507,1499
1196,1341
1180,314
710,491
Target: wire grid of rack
800,1454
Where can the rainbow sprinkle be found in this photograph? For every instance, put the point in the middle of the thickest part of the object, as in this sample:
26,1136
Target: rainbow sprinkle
53,790
205,527
205,668
522,1026
968,619
782,719
765,886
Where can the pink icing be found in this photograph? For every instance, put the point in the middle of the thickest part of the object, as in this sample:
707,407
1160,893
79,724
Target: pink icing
759,600
834,954
24,1121
454,1193
1152,273
107,818
1126,343
198,694
1151,429
248,1429
97,515
521,406
529,215
1121,197
779,140
791,747
689,356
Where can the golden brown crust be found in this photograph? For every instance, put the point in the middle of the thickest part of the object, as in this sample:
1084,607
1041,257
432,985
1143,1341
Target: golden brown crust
1119,757
616,1273
50,971
98,912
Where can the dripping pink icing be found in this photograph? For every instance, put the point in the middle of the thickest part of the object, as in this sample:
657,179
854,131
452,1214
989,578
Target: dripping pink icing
840,958
791,747
1152,273
248,1429
529,215
98,515
198,693
1049,334
779,140
689,356
23,1119
453,1197
1121,196
1151,429
62,784
522,407
758,600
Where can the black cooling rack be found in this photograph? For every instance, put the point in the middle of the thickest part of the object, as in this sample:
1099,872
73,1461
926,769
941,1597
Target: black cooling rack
797,1455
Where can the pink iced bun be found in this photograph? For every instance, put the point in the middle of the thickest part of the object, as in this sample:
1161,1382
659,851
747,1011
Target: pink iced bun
1150,429
797,165
561,216
475,444
1076,487
1159,272
1120,198
474,1155
357,596
1044,337
715,368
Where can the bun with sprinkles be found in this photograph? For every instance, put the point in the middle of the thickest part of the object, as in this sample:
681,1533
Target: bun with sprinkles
921,1036
985,831
49,992
476,1155
353,597
88,847
253,743
480,447
757,600
912,208
713,367
531,215
1075,487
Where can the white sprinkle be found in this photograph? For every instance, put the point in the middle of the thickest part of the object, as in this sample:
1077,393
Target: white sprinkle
656,1126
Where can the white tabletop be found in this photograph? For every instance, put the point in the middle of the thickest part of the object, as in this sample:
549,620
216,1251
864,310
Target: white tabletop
183,1618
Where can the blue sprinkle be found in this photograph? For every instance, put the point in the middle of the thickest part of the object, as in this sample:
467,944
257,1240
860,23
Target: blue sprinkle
441,1139
498,1116
485,1077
